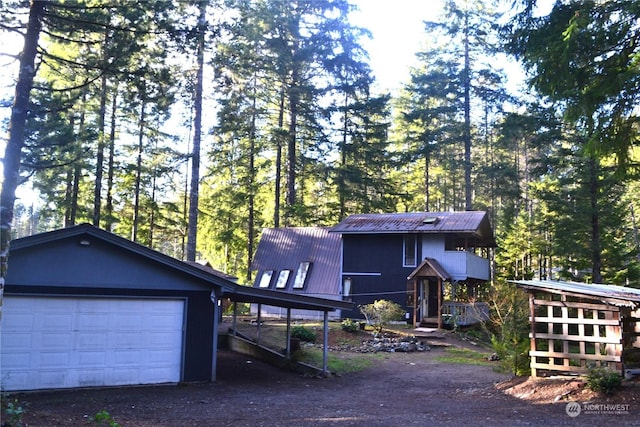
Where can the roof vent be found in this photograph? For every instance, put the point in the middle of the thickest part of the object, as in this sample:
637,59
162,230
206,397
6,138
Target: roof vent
430,220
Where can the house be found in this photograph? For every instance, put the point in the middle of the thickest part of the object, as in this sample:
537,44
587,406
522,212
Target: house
298,260
575,326
83,307
432,264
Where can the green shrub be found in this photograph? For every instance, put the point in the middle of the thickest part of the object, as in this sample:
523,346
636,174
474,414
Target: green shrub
513,355
381,312
349,325
603,380
303,334
104,418
12,413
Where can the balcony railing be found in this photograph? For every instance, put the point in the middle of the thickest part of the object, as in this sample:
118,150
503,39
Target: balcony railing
464,314
462,265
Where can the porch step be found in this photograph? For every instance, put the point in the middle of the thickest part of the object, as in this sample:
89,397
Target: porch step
427,332
428,323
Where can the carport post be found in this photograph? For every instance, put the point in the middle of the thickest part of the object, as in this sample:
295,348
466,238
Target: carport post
235,317
258,327
288,333
214,350
325,345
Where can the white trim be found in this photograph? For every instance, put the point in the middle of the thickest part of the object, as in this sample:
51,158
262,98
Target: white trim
360,274
415,250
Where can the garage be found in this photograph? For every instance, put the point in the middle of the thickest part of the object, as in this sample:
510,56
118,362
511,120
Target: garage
83,307
54,342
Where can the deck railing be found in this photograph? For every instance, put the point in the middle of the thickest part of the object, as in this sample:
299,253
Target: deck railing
464,314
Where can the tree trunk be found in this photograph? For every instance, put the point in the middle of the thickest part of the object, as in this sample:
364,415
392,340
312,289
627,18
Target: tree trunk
252,183
136,196
343,162
278,179
17,123
67,197
77,166
97,194
110,171
426,182
596,261
197,132
467,119
291,155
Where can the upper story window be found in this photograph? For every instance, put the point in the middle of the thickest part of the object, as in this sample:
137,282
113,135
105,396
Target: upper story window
283,277
409,250
265,280
301,275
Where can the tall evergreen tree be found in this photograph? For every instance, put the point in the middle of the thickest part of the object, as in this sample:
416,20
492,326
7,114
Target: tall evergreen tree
454,76
572,55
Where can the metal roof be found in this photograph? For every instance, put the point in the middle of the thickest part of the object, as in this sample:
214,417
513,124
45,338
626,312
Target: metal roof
469,223
616,295
285,248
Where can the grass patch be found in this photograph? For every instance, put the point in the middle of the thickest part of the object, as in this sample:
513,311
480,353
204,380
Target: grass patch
337,363
464,356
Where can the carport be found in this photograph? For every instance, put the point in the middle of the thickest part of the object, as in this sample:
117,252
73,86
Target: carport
244,294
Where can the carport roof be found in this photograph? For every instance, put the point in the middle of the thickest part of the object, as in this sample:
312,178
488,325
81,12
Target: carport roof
284,299
215,279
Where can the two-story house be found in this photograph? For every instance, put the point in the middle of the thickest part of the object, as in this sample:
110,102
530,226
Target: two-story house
431,263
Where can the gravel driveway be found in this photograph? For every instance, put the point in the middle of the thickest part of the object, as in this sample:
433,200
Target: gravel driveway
400,389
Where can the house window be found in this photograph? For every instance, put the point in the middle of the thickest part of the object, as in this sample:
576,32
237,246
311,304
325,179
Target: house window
301,275
346,288
265,280
452,243
283,277
410,249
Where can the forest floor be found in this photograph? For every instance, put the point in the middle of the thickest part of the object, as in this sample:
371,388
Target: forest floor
434,387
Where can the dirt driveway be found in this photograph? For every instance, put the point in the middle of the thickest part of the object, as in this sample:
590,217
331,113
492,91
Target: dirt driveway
399,389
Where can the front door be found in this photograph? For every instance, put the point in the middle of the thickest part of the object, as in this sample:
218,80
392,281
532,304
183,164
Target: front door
429,298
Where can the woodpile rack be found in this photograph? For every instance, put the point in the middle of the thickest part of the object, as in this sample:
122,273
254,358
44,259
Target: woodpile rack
578,326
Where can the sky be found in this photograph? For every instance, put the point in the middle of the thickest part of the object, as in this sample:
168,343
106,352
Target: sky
398,30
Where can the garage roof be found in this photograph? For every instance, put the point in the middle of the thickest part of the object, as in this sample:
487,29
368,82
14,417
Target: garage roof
227,287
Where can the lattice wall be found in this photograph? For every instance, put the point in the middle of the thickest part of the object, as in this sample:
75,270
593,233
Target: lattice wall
631,340
571,334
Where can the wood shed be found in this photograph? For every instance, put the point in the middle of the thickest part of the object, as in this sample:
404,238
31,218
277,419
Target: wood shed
577,326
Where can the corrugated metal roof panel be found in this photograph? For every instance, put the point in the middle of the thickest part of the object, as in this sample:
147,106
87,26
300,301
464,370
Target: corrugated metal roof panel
285,248
609,292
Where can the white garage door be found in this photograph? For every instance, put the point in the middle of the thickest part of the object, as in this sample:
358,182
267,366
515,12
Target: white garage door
51,342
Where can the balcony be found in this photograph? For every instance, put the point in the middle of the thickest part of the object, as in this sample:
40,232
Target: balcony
463,265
